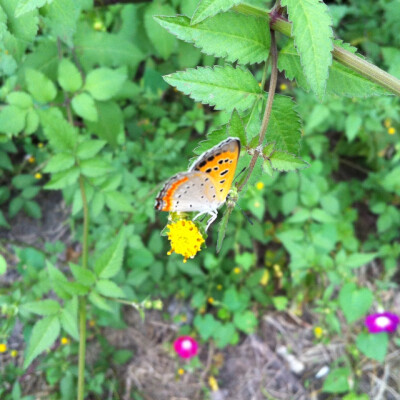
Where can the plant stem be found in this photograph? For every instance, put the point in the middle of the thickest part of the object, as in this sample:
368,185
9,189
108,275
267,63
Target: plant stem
82,300
345,57
267,112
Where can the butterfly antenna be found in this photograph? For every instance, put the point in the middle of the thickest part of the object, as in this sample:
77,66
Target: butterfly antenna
245,215
237,176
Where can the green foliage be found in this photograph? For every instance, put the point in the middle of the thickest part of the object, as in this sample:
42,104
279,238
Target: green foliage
209,8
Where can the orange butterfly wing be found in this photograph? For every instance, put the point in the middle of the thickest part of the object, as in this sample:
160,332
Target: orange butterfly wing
220,163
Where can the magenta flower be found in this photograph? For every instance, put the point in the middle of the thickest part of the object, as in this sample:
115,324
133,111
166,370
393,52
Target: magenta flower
382,322
186,347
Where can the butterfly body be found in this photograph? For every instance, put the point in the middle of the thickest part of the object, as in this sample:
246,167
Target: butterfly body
205,186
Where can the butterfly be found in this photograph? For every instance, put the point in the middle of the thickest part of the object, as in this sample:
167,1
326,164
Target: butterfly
205,186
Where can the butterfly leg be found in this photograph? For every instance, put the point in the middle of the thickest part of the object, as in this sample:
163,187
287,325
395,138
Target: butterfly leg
210,220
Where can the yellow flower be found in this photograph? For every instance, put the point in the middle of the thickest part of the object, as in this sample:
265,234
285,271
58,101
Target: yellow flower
211,300
31,159
387,122
38,175
318,331
259,185
213,383
3,347
391,131
236,270
14,353
92,323
181,371
185,238
278,271
65,340
40,145
265,278
219,287
283,87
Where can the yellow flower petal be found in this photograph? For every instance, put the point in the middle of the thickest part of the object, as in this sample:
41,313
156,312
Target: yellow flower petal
391,131
3,347
213,384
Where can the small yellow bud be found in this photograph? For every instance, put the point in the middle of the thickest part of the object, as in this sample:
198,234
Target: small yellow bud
236,270
211,300
98,26
318,331
3,347
260,185
213,384
181,371
14,353
92,323
391,131
283,87
64,340
387,122
40,145
38,175
219,287
31,159
265,278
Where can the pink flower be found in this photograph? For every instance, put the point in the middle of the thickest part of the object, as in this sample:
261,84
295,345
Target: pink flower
382,322
186,347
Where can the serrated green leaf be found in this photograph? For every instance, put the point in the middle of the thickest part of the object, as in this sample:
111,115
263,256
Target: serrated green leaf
357,260
61,18
284,127
69,322
12,120
225,87
110,122
59,162
164,44
19,99
30,192
58,281
109,289
342,80
236,128
354,302
84,105
312,32
24,6
42,307
69,77
245,321
44,334
104,83
15,206
94,167
61,135
236,37
110,262
209,8
352,126
40,86
82,275
22,181
118,201
213,138
89,148
105,49
99,301
61,180
286,162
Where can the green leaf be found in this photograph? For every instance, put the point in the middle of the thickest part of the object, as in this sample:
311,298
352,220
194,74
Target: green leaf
94,167
61,18
337,381
110,262
373,345
42,307
61,180
104,83
69,77
284,127
69,318
25,6
357,260
209,8
61,135
58,281
121,357
224,335
40,86
12,120
110,122
32,121
3,265
236,128
118,201
59,162
105,49
109,289
164,44
33,209
15,206
286,162
99,302
352,126
312,32
236,37
89,148
22,181
342,81
225,87
206,325
3,221
245,321
354,302
82,275
19,99
84,105
44,334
